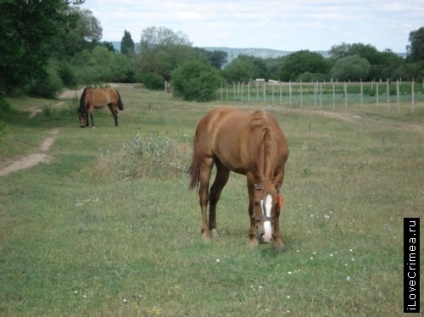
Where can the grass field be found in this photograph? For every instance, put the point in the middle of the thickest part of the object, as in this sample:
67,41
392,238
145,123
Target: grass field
109,227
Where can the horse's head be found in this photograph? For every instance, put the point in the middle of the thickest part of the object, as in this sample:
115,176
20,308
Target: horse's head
266,209
82,115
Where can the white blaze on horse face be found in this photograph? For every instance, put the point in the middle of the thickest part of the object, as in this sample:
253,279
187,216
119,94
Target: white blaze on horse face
266,208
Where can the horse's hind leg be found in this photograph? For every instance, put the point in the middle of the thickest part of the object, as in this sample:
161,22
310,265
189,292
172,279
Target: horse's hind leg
204,175
221,179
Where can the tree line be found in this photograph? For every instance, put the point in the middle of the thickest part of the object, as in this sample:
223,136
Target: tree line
51,44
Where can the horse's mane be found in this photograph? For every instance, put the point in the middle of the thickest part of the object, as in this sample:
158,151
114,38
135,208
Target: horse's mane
267,155
120,104
82,108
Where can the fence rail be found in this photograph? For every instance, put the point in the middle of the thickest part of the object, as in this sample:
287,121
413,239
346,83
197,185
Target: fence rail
388,94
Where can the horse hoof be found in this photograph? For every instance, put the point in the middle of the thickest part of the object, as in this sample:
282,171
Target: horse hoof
279,246
254,243
206,236
214,233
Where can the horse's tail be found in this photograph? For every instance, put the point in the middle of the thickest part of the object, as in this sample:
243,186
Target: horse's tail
120,104
82,102
194,169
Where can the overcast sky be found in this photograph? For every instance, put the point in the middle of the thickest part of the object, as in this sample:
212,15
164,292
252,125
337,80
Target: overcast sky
290,25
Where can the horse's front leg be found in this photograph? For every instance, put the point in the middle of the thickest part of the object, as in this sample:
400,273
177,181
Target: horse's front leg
114,110
91,118
278,242
252,231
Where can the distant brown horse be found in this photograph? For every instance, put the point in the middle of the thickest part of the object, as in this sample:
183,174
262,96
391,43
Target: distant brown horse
92,98
249,143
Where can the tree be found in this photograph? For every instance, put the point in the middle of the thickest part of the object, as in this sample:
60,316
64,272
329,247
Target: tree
29,35
85,34
240,69
415,51
154,37
302,62
127,44
162,50
367,51
350,68
196,81
245,68
217,58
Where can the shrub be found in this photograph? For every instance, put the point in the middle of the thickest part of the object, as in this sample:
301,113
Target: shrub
48,84
153,81
154,155
67,75
196,81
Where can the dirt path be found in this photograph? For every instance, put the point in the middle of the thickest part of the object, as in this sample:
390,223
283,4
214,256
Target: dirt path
22,162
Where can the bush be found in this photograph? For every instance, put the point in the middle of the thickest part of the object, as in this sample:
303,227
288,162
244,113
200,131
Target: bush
48,84
67,75
153,81
154,155
196,81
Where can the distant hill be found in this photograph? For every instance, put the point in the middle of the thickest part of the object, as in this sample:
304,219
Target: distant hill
235,52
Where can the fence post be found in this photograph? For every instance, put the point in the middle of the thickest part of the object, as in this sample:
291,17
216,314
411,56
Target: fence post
388,94
301,94
281,92
290,93
345,93
413,95
376,93
397,94
362,94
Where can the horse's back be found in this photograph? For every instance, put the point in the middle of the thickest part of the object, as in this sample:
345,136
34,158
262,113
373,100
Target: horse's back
101,97
229,135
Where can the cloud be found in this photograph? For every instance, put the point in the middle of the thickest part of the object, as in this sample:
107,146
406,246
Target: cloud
294,25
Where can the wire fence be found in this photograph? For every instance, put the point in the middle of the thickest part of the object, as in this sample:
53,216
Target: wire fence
327,95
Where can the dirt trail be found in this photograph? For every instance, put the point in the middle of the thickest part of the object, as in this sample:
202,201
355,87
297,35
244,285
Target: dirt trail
22,162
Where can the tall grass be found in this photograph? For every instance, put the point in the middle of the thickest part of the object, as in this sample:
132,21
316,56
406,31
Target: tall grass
111,229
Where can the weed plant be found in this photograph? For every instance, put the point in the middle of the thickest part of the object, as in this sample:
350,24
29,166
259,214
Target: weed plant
152,155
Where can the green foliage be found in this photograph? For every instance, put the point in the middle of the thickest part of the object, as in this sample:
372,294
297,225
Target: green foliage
4,107
351,68
416,48
102,65
67,75
196,81
240,69
301,62
48,84
29,39
153,81
127,44
163,50
245,68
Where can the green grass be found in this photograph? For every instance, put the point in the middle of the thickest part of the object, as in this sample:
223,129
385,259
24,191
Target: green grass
109,228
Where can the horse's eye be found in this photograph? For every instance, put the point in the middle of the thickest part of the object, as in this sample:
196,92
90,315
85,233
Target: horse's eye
257,203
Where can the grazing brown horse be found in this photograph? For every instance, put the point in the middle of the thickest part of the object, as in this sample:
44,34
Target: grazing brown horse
249,143
92,98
